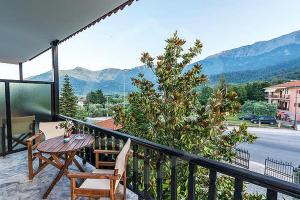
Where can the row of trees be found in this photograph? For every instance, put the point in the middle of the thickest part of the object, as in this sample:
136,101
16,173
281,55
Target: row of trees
96,103
260,108
253,91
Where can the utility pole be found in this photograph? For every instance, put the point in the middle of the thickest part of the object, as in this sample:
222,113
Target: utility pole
296,105
106,106
124,91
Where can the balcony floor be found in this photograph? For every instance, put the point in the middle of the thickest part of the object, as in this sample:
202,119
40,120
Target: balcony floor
15,185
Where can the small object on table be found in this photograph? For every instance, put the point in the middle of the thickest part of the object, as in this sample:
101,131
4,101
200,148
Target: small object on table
69,129
57,148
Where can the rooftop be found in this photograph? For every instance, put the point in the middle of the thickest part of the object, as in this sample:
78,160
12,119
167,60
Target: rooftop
293,83
109,124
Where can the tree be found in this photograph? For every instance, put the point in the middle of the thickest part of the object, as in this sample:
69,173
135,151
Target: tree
168,112
260,108
67,100
256,91
96,97
205,94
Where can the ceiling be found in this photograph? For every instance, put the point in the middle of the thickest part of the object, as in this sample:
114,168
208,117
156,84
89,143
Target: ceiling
28,27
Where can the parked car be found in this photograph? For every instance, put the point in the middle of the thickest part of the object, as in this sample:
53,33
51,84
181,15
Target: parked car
264,120
247,117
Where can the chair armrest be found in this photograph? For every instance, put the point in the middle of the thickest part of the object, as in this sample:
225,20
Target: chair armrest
99,151
38,135
93,175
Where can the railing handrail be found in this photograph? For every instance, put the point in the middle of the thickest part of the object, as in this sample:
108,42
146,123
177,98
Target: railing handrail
25,81
221,167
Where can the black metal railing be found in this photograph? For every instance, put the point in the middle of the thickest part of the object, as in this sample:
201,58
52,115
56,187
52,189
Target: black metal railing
241,158
279,169
106,139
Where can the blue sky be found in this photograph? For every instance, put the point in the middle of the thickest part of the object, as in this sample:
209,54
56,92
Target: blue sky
119,40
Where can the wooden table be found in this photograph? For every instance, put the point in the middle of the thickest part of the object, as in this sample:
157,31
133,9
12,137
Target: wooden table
67,151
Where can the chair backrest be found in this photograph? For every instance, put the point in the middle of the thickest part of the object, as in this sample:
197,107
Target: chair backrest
51,129
22,125
122,158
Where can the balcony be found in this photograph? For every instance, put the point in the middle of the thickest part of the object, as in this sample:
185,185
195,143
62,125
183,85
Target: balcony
40,101
15,184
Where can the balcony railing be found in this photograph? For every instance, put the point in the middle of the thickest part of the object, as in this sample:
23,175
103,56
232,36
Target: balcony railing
275,96
272,96
108,139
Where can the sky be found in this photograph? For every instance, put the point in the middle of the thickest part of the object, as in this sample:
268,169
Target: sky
119,40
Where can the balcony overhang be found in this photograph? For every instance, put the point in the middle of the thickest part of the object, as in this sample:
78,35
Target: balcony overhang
28,27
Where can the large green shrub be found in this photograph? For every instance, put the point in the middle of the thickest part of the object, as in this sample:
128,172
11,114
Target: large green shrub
260,108
168,112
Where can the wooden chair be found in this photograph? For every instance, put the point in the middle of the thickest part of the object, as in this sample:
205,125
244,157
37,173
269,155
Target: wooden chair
22,128
47,130
102,182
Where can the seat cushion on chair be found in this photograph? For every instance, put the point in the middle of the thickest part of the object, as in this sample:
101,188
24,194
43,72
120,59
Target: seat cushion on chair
98,184
103,171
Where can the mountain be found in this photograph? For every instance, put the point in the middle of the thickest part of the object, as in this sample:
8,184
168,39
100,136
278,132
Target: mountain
110,80
256,56
284,72
259,61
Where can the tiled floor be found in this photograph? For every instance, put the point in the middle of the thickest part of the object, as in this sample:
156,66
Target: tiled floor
14,183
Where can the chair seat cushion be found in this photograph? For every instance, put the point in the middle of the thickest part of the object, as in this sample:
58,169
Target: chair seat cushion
98,184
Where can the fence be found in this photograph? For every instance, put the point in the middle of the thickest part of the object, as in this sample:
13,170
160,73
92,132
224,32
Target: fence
242,157
279,169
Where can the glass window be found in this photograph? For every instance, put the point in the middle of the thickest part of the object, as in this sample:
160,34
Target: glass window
29,102
2,118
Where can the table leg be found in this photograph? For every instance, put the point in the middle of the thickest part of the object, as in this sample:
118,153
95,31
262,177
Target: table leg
62,171
78,165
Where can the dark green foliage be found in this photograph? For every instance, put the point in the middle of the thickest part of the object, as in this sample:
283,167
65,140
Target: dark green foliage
96,97
260,108
253,91
67,100
279,73
205,93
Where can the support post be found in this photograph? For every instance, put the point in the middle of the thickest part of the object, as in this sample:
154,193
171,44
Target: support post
21,71
54,48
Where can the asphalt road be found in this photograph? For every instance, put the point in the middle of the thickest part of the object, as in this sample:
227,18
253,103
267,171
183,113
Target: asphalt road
280,144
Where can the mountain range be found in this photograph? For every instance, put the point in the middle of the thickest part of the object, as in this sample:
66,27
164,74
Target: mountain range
264,60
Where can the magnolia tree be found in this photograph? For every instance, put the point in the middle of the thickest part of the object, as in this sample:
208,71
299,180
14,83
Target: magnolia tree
168,112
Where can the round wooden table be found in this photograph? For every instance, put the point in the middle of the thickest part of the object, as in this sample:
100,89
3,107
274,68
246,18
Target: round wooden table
60,151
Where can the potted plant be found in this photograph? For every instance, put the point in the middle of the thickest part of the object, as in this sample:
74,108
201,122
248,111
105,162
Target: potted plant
69,128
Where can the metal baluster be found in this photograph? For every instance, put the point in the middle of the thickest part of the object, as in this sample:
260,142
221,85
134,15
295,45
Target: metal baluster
271,194
159,168
238,189
135,168
96,136
173,178
146,173
117,144
212,185
109,147
102,141
191,183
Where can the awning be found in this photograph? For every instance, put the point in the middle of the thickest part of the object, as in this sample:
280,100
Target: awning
27,27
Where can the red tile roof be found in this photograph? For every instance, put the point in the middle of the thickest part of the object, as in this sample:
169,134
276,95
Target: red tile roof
295,83
109,124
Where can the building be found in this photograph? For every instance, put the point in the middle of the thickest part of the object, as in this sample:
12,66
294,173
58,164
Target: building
287,96
81,101
109,123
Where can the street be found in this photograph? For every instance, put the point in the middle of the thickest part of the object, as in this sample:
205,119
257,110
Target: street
279,144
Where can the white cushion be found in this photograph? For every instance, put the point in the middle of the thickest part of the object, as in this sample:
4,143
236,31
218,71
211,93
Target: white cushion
98,184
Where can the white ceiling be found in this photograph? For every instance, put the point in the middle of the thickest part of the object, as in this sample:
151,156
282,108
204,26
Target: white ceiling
28,26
